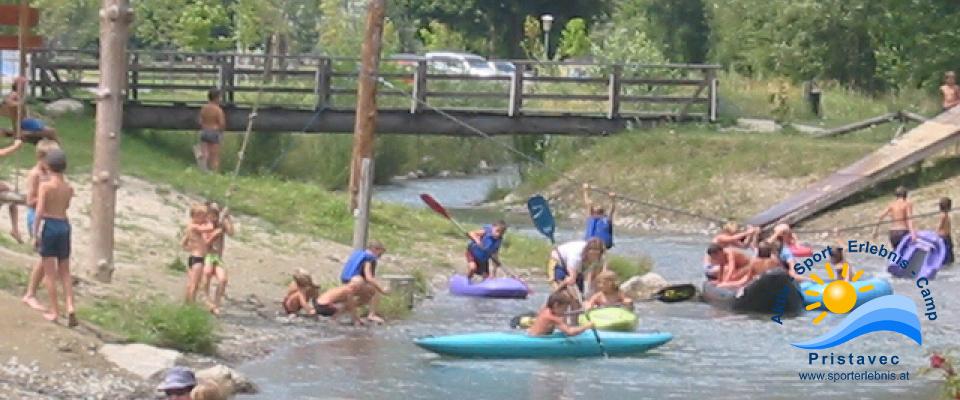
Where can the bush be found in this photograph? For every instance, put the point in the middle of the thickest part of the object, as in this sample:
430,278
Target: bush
393,306
156,322
628,268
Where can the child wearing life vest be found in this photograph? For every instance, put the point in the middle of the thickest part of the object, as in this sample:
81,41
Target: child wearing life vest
599,223
484,246
608,293
551,316
362,266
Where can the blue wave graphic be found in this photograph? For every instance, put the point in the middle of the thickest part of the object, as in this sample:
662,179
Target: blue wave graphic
892,313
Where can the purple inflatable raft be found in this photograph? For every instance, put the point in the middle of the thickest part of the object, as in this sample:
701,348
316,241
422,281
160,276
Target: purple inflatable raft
501,288
924,256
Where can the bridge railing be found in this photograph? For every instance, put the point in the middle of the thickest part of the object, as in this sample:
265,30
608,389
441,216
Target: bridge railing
415,84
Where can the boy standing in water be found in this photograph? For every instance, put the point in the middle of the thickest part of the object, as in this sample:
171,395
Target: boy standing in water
950,91
901,211
36,176
551,316
195,244
944,229
484,246
221,225
53,241
361,268
212,124
599,223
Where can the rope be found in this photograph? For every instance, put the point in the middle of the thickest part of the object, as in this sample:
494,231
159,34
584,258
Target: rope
863,226
544,165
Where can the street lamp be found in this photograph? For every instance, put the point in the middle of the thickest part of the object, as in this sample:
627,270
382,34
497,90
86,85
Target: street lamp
547,21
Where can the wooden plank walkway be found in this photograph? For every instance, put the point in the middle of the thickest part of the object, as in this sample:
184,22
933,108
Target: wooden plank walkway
534,98
919,143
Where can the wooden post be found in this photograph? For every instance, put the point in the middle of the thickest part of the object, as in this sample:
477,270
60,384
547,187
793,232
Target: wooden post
712,77
115,18
419,87
133,93
322,81
362,213
613,92
516,92
366,122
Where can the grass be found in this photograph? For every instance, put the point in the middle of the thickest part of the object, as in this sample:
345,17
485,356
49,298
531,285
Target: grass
156,322
13,278
627,268
176,266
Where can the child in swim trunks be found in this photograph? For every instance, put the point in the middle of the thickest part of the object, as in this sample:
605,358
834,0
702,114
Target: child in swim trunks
37,175
341,299
193,242
301,295
608,293
222,225
551,317
944,228
52,230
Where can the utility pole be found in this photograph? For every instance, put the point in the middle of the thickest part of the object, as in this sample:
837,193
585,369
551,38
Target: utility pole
115,19
366,122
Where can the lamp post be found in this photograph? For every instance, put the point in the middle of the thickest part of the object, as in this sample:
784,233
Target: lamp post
547,21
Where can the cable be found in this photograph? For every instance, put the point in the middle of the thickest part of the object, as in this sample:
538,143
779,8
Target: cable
543,164
862,226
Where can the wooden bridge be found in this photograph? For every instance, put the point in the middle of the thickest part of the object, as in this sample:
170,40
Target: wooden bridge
318,94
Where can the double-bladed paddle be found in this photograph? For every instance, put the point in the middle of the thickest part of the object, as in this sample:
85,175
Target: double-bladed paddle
439,209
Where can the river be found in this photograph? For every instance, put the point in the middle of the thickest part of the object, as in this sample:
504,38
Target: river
714,354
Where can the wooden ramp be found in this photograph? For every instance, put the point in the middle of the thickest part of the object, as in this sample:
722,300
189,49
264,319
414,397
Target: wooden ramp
917,144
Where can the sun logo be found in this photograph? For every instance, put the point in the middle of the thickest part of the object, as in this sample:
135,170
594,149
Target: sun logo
839,296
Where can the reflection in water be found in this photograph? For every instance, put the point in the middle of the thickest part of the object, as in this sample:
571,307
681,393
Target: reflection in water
714,354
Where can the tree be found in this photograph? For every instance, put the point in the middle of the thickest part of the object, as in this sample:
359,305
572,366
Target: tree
679,25
574,41
197,24
438,36
69,23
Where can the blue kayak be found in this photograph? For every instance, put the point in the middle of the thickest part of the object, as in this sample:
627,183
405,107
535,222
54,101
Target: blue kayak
520,345
880,288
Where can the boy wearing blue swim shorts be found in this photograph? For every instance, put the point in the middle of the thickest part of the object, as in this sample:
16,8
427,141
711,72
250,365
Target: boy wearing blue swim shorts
52,232
36,176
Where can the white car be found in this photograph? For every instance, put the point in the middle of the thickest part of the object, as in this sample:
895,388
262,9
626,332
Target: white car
459,64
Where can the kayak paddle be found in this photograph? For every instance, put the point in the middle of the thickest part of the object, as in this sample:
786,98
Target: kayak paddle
675,293
542,217
603,350
439,209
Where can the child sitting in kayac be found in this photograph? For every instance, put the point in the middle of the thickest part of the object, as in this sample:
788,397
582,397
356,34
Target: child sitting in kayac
301,294
484,246
608,293
551,317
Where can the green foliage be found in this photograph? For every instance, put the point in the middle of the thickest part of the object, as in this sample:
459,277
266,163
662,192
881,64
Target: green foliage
394,306
13,278
156,23
622,43
532,43
197,24
438,36
627,268
574,41
680,26
156,322
68,23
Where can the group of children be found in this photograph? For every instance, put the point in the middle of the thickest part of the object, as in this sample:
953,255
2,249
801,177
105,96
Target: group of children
728,265
358,287
204,240
48,196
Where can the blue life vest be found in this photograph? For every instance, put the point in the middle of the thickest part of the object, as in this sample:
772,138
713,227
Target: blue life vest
490,245
354,265
600,227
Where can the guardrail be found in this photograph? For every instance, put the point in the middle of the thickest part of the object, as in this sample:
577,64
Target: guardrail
316,82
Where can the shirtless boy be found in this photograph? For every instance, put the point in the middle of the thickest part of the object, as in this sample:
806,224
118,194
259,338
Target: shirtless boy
212,124
731,236
341,299
950,91
725,264
944,228
551,316
52,230
14,218
764,261
193,242
37,175
901,212
221,225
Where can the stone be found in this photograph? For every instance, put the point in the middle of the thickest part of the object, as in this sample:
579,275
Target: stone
644,286
807,129
63,107
230,381
444,174
139,359
757,125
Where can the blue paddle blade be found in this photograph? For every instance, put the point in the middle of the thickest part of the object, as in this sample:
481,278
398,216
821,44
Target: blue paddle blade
541,215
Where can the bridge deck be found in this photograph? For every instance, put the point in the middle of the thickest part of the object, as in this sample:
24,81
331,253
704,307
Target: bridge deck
917,144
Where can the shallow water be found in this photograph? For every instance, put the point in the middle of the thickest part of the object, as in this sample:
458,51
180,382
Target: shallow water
713,355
